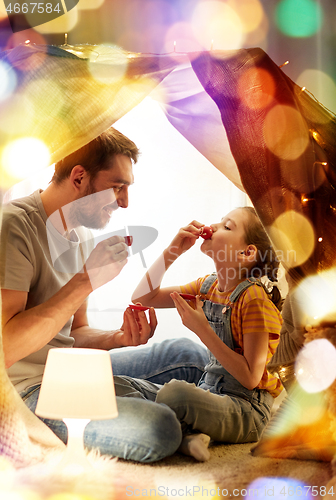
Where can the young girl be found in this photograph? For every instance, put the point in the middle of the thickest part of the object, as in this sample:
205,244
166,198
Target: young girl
236,320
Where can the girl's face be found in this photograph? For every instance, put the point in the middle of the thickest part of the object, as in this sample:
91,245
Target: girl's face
228,238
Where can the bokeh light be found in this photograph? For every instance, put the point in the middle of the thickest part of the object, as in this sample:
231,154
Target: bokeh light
250,12
293,237
319,292
3,13
311,411
321,85
285,132
256,88
8,80
300,418
217,25
12,111
22,494
70,496
258,37
7,474
21,37
114,68
51,107
299,18
315,365
25,156
277,488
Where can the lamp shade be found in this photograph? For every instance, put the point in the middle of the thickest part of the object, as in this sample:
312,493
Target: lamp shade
77,383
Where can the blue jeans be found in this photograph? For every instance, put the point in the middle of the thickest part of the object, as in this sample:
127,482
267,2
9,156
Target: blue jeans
144,431
180,358
231,418
224,417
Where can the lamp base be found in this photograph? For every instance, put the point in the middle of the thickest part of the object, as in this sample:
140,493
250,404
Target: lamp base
75,461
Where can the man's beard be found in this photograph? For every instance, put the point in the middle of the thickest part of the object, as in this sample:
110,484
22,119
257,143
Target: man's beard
86,211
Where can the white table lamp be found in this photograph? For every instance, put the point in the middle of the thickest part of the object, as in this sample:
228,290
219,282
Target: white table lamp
77,387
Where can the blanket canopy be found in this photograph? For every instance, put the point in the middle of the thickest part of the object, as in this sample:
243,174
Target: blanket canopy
266,134
269,136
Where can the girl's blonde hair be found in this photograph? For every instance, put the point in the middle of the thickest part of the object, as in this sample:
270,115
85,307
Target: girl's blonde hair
267,263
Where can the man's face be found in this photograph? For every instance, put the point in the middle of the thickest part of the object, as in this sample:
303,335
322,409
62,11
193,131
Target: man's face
106,193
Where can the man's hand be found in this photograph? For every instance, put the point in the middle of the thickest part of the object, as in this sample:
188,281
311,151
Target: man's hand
106,261
136,330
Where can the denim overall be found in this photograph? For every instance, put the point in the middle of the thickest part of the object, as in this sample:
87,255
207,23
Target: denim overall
219,405
216,378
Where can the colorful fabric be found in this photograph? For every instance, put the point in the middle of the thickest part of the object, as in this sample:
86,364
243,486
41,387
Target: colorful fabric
284,145
75,95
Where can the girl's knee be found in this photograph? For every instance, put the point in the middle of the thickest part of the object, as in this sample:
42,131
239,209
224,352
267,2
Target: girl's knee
175,392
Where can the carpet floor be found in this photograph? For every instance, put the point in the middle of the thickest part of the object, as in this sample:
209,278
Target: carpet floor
231,472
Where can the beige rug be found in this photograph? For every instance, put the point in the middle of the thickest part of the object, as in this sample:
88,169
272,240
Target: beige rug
230,467
231,472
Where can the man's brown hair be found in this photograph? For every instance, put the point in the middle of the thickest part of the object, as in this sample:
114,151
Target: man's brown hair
94,156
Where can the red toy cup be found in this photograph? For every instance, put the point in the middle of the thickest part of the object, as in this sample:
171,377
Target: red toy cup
137,307
187,296
128,240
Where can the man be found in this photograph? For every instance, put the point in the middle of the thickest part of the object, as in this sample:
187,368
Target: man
48,269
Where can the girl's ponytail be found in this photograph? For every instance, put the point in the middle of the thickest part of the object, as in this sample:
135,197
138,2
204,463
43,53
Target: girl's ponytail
275,296
267,263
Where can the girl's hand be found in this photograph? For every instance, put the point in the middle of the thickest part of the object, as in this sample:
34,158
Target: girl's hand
184,240
194,319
